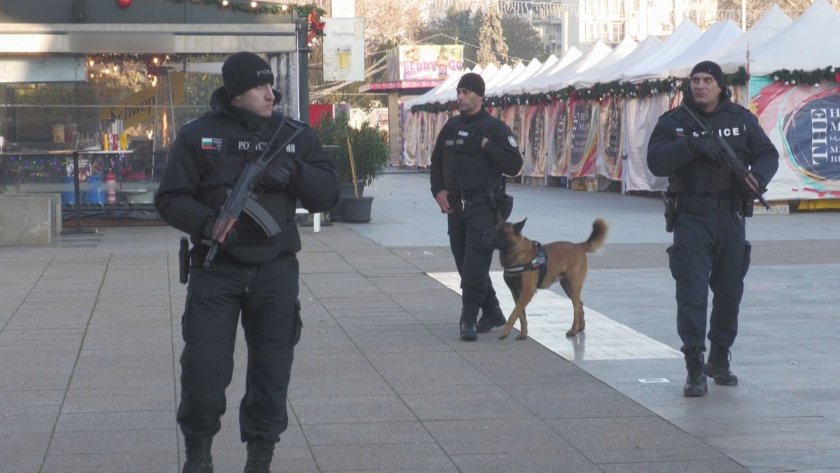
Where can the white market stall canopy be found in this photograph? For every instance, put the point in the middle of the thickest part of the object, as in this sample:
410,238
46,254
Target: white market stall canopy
514,85
653,67
169,38
798,46
560,79
719,35
595,73
734,55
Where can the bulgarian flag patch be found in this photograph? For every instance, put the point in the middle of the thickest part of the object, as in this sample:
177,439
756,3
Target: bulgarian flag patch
214,144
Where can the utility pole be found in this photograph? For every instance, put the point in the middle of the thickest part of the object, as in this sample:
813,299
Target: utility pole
743,15
303,70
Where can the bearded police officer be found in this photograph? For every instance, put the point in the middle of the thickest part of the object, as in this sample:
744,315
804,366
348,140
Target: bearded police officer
252,274
472,152
710,249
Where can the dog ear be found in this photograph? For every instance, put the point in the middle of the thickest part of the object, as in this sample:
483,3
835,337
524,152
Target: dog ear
518,225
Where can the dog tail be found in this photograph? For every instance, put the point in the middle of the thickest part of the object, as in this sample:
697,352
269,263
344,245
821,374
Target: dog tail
597,237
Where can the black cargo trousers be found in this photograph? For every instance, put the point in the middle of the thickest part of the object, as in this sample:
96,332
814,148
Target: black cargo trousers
471,232
267,296
710,250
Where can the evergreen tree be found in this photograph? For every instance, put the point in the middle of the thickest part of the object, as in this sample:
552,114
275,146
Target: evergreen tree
492,47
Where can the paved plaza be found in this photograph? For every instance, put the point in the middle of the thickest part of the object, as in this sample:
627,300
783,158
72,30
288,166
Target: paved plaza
90,340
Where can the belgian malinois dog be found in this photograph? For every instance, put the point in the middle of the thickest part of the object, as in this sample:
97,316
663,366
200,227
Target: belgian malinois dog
529,266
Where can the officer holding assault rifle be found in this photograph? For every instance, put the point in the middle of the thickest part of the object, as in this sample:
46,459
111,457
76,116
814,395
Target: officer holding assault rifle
718,161
232,181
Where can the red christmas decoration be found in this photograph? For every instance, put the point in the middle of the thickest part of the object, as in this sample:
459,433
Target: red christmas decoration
316,26
123,3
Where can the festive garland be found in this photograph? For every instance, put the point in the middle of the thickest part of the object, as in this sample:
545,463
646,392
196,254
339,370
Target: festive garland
260,8
798,76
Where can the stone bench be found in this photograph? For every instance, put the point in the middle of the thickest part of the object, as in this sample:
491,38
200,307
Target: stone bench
29,219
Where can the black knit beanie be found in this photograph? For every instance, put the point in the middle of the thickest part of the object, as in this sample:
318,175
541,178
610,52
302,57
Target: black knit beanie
712,69
472,81
244,71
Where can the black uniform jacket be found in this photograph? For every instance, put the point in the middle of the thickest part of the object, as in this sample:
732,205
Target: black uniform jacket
480,167
669,155
207,157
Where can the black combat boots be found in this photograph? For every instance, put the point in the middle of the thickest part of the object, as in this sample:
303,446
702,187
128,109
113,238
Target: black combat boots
468,329
260,453
718,366
493,317
199,459
695,382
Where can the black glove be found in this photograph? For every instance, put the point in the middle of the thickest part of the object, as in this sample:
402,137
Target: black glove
207,233
705,147
278,175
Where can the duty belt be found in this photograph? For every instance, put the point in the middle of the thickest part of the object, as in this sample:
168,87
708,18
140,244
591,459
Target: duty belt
704,204
467,198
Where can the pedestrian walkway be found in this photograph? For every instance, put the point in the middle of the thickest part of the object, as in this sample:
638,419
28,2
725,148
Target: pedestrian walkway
90,339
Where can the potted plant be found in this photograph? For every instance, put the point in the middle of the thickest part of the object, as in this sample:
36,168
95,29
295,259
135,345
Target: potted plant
360,153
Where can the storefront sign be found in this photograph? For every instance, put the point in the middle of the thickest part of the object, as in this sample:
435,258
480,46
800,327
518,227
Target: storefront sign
425,62
140,107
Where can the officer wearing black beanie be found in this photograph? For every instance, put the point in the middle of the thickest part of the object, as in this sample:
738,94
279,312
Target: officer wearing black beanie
472,152
710,249
243,71
255,274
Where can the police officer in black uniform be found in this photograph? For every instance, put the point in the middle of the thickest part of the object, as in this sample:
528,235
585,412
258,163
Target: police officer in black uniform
252,274
471,153
710,248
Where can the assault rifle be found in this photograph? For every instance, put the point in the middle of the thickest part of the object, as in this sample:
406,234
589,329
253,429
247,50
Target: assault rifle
242,199
732,161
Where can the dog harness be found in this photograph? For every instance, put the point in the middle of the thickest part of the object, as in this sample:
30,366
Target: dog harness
538,263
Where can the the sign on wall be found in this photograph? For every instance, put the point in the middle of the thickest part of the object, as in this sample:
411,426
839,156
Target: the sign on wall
344,49
425,62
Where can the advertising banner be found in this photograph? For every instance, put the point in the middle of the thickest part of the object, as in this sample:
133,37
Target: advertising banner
803,121
583,139
344,49
611,144
559,132
429,62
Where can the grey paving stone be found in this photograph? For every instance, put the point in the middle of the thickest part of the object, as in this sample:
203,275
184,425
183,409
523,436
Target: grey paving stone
17,463
531,462
377,457
112,421
133,462
466,403
353,433
630,440
157,442
518,435
410,373
330,410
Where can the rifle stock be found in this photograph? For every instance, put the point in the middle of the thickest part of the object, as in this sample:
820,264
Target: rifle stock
731,160
238,197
